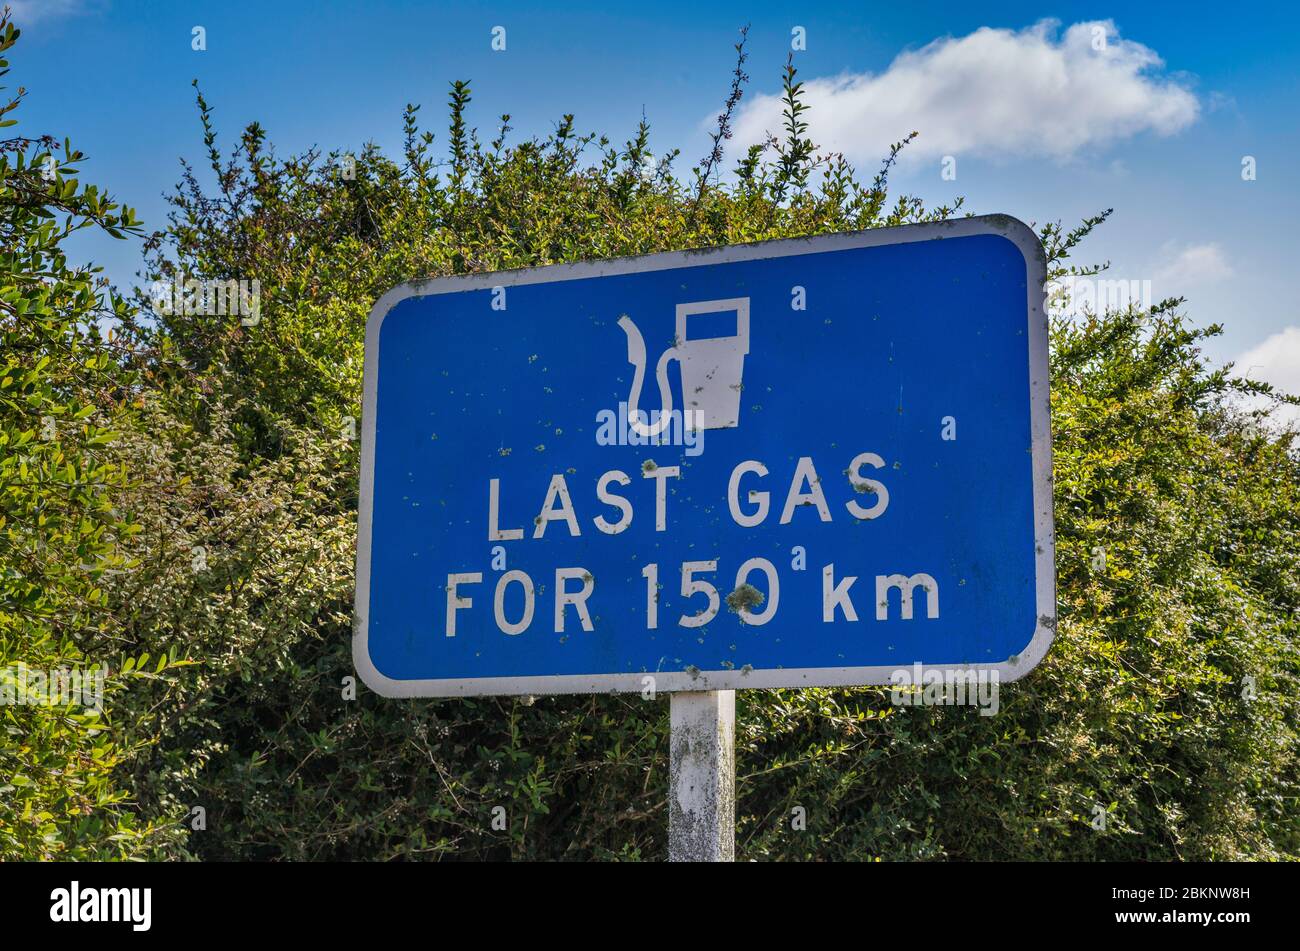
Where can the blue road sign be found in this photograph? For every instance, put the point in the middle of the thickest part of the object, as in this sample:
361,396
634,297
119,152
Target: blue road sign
806,462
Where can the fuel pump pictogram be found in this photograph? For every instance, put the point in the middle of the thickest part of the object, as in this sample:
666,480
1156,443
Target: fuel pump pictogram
712,369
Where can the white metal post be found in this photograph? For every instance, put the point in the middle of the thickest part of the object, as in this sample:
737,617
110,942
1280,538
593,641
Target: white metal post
702,777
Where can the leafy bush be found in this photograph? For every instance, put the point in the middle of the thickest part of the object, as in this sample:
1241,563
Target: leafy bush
62,540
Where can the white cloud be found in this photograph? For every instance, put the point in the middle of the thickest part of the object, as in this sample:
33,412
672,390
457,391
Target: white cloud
993,93
1190,265
1276,361
29,12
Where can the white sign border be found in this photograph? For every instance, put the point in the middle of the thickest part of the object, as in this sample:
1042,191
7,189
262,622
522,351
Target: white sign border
1013,668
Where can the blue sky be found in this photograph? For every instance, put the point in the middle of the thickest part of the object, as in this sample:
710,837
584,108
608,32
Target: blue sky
1039,123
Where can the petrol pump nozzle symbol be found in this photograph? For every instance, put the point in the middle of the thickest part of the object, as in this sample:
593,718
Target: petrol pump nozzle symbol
636,356
712,369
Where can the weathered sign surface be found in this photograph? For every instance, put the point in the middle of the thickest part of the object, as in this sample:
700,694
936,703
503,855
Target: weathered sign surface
796,463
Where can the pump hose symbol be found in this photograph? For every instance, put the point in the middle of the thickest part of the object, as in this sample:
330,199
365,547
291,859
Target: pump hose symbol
636,355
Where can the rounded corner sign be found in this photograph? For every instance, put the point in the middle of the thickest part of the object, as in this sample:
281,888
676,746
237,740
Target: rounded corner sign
806,462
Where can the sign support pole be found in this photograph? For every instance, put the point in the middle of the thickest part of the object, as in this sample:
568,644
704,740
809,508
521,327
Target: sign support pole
702,777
